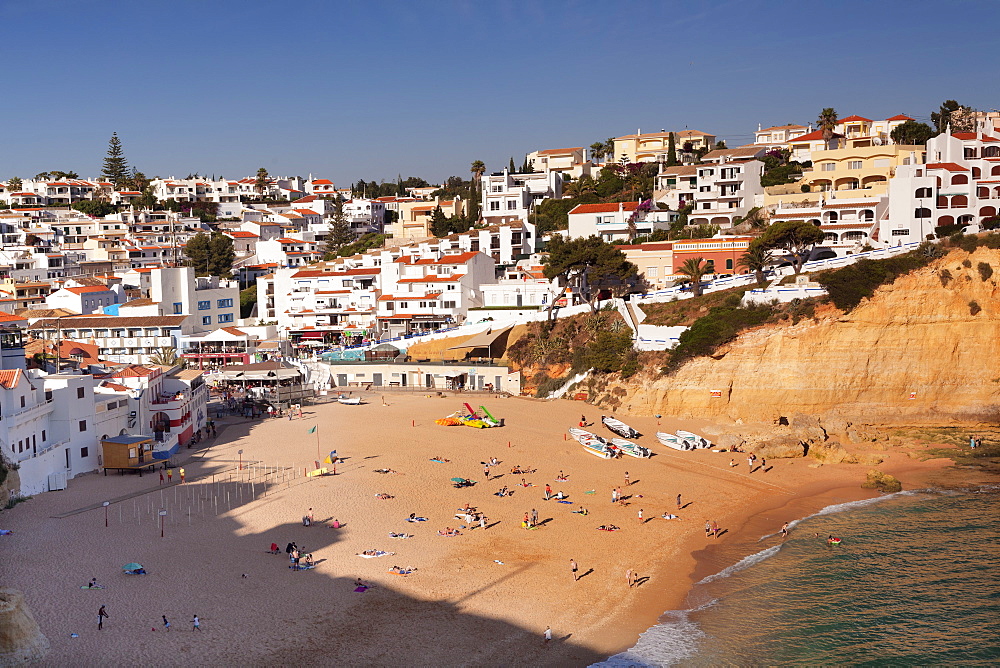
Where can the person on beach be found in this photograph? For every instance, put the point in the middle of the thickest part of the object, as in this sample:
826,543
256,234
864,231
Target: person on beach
181,472
708,528
614,495
195,624
161,477
640,516
534,517
482,522
763,465
573,567
715,529
732,462
628,578
526,522
170,475
678,502
102,614
784,530
548,635
626,479
166,624
548,492
486,472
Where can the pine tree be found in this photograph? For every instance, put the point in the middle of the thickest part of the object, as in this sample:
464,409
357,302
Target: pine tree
511,168
439,224
115,165
671,151
340,233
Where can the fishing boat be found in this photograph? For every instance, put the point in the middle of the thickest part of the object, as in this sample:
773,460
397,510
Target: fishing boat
592,443
619,427
350,401
694,439
673,441
631,449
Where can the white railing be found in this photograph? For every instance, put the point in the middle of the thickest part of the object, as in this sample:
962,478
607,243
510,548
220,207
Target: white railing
31,411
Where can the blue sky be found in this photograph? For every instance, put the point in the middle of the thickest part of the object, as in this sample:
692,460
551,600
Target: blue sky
374,89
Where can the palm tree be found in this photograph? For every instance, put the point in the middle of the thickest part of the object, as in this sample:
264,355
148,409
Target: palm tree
827,123
261,183
164,357
609,147
694,268
757,259
597,151
478,169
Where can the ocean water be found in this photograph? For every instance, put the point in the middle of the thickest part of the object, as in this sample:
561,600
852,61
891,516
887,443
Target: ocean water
915,581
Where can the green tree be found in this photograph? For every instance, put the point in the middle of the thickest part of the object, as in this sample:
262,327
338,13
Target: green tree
93,207
165,357
147,200
757,259
137,181
597,151
671,150
439,224
248,299
961,117
42,176
911,133
210,255
609,148
795,236
14,184
827,123
511,168
478,168
340,233
721,144
588,263
115,165
694,268
261,183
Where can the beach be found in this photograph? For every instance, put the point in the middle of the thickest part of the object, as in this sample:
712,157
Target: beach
460,607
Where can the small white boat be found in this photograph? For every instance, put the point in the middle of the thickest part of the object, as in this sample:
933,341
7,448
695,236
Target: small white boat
592,443
694,439
631,449
619,427
672,441
350,401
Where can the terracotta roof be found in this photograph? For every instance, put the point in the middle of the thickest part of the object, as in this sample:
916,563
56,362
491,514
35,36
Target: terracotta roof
557,151
9,378
234,331
305,200
142,301
604,208
963,135
114,386
815,135
111,321
900,117
855,119
87,288
135,371
950,166
742,152
680,170
460,258
323,181
239,234
781,127
7,317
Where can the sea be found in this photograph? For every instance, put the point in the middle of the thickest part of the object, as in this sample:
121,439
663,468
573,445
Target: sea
915,581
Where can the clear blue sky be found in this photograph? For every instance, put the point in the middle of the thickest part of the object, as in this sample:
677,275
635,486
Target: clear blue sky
370,89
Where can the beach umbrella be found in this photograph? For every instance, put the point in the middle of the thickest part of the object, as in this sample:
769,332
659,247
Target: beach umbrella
458,479
131,567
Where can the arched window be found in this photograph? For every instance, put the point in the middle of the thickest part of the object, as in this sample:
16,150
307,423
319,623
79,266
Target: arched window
959,202
922,212
965,220
995,171
921,193
945,220
830,236
976,173
959,179
833,216
991,152
942,202
867,215
982,192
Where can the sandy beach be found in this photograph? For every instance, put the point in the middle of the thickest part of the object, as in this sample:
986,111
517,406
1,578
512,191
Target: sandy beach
461,607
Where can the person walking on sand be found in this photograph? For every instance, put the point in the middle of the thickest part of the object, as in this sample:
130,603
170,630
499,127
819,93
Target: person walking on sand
614,495
573,567
626,479
195,624
708,528
548,492
628,577
548,635
678,502
486,472
170,475
784,530
715,529
527,521
534,517
166,624
763,465
102,614
640,516
181,472
482,522
750,464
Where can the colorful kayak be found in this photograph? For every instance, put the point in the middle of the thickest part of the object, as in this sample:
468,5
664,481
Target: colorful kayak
472,422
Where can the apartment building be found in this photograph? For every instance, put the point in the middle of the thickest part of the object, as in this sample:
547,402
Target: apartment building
654,146
120,339
726,190
617,221
778,136
659,261
571,162
848,224
85,298
415,216
509,197
676,186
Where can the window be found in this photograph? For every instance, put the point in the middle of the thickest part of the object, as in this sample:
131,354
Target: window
922,212
22,402
922,192
79,393
178,308
206,320
43,436
225,303
48,395
729,263
706,205
828,166
448,304
497,189
900,233
83,425
84,452
511,204
880,162
205,305
854,164
225,317
494,206
652,272
388,306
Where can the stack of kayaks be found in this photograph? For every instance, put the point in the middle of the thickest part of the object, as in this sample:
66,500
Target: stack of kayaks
592,443
448,421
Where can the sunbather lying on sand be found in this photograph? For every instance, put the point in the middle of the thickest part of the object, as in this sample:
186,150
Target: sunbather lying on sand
448,531
383,496
608,527
399,570
375,553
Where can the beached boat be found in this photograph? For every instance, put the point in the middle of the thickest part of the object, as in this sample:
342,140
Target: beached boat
592,443
631,449
619,427
694,439
350,401
473,422
673,441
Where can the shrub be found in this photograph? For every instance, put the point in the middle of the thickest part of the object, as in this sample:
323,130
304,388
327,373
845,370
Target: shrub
991,223
974,307
945,276
967,263
609,351
985,270
883,482
969,243
548,386
943,231
847,286
720,325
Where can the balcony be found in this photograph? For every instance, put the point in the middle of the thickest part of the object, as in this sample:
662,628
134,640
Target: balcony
25,414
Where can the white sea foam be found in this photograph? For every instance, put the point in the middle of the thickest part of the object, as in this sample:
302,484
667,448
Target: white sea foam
848,505
742,564
673,640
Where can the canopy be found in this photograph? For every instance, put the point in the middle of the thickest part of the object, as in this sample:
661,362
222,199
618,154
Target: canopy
131,567
261,371
483,339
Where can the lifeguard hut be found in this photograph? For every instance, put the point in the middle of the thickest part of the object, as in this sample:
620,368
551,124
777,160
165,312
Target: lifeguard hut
128,453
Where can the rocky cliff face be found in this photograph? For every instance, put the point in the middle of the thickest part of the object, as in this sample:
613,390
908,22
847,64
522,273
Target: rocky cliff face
923,349
20,639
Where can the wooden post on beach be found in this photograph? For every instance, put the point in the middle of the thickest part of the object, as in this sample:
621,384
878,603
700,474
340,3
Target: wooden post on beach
228,505
189,515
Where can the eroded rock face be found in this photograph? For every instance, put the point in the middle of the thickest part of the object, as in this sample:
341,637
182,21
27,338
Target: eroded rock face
21,640
914,353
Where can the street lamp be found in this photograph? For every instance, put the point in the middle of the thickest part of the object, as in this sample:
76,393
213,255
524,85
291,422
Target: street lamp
162,514
240,453
106,504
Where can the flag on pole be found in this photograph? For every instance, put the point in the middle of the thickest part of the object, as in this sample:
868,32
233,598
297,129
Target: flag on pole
312,430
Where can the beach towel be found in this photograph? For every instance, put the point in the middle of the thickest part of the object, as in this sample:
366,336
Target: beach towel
6,532
360,589
416,519
590,492
399,535
440,461
497,561
378,553
558,501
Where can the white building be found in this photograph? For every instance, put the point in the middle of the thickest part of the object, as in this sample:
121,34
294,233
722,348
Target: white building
570,162
726,190
84,299
617,221
210,300
508,197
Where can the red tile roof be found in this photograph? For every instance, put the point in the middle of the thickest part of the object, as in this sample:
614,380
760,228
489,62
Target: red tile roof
87,288
604,208
9,378
815,135
963,135
900,117
855,119
560,151
323,181
950,166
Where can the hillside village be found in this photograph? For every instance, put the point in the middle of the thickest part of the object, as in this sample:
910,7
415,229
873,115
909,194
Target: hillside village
123,299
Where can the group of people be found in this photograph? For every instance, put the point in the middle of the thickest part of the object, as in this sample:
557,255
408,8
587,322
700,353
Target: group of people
102,614
296,560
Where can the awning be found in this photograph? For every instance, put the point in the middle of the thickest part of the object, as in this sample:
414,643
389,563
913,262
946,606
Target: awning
260,374
482,340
